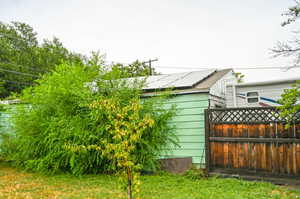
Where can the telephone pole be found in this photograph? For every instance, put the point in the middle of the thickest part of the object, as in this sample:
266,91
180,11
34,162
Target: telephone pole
150,62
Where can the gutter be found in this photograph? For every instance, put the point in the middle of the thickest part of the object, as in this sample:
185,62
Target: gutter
175,93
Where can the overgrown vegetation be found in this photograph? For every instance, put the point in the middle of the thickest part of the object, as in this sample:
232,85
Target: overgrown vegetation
81,115
59,114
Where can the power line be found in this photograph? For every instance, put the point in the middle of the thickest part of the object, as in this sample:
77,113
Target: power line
233,67
25,83
236,68
27,67
18,73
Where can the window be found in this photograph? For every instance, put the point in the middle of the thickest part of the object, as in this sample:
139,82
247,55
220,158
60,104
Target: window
252,97
252,94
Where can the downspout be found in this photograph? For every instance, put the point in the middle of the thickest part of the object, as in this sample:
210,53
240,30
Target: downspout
234,95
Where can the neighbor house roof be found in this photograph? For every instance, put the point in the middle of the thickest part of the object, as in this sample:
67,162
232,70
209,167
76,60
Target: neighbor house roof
180,83
177,80
271,82
203,80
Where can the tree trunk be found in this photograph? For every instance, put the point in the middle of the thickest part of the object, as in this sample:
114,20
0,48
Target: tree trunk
129,184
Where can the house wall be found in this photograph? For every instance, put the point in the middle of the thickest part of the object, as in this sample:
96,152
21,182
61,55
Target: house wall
188,123
216,102
218,90
6,117
189,126
268,95
219,87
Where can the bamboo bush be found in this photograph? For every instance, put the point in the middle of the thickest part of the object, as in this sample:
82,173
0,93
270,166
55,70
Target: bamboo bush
72,127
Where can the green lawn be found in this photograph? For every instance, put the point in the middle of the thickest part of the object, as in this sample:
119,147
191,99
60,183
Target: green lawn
17,184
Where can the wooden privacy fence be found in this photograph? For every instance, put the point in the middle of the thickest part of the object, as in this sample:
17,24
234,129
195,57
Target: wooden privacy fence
252,141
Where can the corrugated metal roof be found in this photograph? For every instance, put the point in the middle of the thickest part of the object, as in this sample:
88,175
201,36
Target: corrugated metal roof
177,80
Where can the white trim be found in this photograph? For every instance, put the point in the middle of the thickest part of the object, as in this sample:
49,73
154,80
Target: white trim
261,83
234,95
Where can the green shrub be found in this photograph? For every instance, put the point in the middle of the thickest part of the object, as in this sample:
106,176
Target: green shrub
59,115
195,173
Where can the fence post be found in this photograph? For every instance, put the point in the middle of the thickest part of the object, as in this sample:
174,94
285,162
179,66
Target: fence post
207,147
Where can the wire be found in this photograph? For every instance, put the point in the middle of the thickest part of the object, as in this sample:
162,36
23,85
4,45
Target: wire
25,83
236,68
27,67
18,73
181,68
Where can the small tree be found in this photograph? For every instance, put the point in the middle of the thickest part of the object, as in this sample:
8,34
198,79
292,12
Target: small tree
290,98
290,103
126,126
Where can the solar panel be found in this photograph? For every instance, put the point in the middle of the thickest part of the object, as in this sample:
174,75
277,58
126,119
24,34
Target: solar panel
193,78
166,81
177,80
187,79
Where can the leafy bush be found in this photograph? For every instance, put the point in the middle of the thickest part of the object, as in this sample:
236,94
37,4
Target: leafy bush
60,115
290,103
195,174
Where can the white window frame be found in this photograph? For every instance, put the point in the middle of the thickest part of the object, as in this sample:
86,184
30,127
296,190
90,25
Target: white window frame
251,97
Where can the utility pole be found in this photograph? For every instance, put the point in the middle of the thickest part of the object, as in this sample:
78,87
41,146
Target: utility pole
149,62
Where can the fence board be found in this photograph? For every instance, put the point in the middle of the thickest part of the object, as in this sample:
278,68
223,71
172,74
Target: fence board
257,143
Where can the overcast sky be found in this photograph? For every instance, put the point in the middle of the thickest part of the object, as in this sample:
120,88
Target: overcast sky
180,33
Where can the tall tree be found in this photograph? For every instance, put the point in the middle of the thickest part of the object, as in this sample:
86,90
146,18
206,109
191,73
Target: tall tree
135,69
290,99
23,59
18,48
290,48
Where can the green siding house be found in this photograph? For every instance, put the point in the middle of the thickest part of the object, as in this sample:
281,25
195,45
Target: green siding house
6,115
193,92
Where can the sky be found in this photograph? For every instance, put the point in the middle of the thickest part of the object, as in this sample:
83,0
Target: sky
182,34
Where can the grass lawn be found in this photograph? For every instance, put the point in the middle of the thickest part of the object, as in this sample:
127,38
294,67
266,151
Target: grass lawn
17,184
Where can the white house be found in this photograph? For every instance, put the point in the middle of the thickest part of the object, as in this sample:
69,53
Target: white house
257,94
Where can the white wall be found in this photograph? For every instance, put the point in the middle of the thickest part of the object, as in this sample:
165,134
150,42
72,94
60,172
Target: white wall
219,88
267,95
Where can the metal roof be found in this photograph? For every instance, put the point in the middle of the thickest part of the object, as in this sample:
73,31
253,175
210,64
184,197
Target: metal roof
177,80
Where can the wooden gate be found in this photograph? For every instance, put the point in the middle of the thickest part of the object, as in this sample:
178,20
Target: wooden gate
252,141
